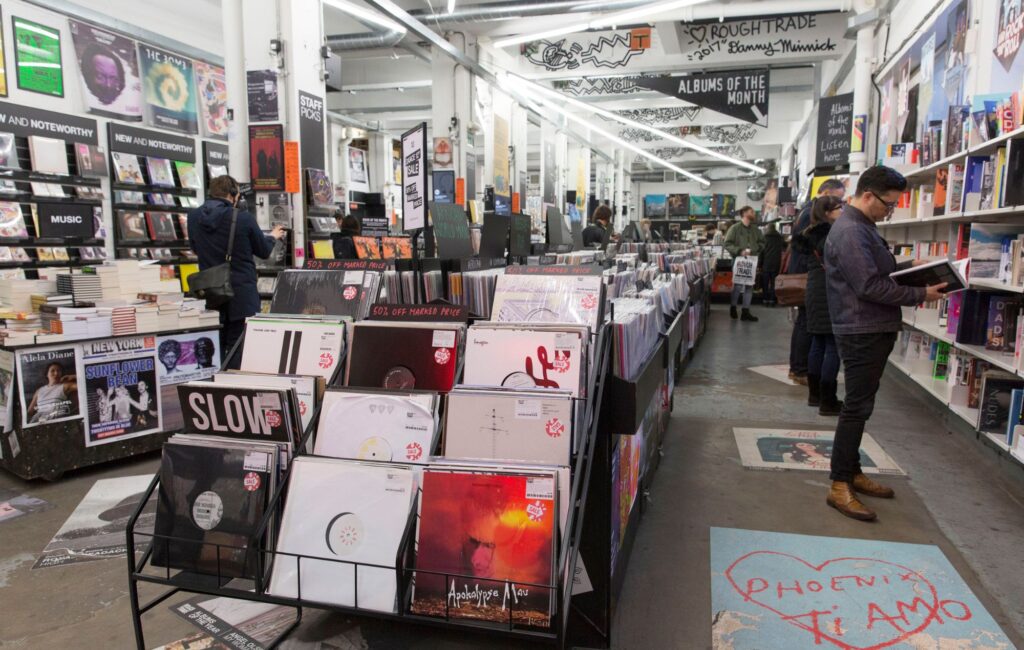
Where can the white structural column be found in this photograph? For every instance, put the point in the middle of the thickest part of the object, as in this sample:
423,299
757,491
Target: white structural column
451,97
234,74
621,218
862,88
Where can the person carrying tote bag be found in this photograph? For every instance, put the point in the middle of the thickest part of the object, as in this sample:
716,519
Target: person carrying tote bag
226,239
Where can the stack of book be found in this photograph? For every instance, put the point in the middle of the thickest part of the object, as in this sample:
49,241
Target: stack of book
146,318
82,287
123,320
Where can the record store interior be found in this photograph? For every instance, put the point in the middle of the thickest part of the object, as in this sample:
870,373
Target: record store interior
509,324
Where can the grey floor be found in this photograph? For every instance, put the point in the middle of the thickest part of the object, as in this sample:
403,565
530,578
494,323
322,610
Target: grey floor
959,495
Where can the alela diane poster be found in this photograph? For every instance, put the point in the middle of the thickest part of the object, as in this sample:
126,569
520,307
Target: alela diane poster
169,90
108,68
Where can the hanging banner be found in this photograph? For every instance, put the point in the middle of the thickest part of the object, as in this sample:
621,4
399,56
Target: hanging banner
800,36
108,68
27,121
212,93
169,90
414,178
142,142
266,157
835,130
261,90
37,57
311,130
121,389
742,94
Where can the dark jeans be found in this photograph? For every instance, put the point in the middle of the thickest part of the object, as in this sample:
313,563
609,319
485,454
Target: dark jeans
230,332
768,286
823,359
799,344
864,357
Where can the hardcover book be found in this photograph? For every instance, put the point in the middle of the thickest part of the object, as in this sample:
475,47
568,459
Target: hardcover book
937,272
996,387
404,355
972,325
494,536
1002,323
986,249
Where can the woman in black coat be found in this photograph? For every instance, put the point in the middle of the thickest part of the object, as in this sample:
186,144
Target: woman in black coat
771,262
823,358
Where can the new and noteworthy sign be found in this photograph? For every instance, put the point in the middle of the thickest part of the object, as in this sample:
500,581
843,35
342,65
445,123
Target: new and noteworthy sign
835,127
26,121
141,142
742,94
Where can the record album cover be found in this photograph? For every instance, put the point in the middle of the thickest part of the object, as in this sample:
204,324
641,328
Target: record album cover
127,167
160,172
348,511
169,89
92,162
109,71
49,156
237,412
305,387
294,347
12,222
324,293
132,225
377,425
8,152
212,94
503,424
496,533
401,356
396,248
525,358
188,174
321,189
574,299
211,500
161,226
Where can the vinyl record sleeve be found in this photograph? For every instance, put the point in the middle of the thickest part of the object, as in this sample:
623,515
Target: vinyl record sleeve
377,425
8,152
574,299
341,510
509,425
188,174
211,495
401,356
324,293
160,172
127,168
305,387
524,358
295,347
12,222
132,225
161,226
498,528
237,412
49,156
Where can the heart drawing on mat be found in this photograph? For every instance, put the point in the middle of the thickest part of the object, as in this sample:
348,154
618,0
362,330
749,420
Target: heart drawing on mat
852,603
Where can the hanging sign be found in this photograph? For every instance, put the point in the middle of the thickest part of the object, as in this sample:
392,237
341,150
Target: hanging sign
128,139
26,121
292,176
65,220
311,130
414,177
215,154
742,94
835,129
803,36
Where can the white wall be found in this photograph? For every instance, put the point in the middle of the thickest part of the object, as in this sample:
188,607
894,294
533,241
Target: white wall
193,22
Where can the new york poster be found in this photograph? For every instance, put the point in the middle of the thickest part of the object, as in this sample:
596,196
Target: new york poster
487,541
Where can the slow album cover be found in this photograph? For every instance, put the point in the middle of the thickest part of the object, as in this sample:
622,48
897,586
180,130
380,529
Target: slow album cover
160,172
12,222
377,425
503,424
211,501
525,358
126,166
306,388
132,225
348,511
404,355
295,347
250,413
320,292
574,299
495,534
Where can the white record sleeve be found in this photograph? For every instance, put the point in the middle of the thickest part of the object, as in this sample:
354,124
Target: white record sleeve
377,426
572,299
294,347
342,510
523,358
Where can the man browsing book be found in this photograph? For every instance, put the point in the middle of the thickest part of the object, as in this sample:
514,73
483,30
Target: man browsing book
864,304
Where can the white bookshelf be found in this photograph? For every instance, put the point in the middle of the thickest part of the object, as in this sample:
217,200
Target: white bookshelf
995,215
925,174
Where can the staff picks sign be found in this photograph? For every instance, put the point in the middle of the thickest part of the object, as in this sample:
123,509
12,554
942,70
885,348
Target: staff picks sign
742,94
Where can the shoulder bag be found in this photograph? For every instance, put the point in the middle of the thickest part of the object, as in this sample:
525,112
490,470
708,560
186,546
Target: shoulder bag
214,284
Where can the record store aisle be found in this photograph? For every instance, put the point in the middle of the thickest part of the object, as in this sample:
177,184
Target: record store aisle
955,497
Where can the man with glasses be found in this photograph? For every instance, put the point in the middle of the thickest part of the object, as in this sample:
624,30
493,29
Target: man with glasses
864,304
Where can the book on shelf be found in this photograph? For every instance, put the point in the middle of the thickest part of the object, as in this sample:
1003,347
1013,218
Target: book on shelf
955,192
939,191
1001,323
972,321
996,387
1013,192
931,273
963,241
940,369
986,249
1014,417
973,176
998,178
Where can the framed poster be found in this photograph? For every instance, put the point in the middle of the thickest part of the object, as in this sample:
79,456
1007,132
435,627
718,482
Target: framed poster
212,94
266,157
108,67
261,90
37,59
169,90
357,166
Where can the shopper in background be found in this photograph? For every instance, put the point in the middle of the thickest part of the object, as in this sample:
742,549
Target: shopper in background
864,304
744,238
823,358
342,243
719,238
771,262
800,341
594,234
210,224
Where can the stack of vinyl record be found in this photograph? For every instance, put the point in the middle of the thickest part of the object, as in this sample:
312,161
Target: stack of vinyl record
404,356
309,389
636,326
527,356
382,425
574,299
474,289
294,346
326,293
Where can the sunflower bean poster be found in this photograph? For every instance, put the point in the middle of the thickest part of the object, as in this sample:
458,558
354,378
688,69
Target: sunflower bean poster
169,90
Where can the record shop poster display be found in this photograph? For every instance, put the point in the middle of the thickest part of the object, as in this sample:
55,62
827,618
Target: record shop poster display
169,90
108,67
37,58
212,95
261,88
50,387
187,357
497,528
266,157
96,529
121,389
6,390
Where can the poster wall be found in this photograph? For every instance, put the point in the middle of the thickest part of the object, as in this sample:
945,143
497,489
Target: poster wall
266,157
108,68
122,396
49,386
169,89
37,59
212,94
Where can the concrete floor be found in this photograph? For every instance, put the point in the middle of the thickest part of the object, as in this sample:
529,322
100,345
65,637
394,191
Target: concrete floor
959,495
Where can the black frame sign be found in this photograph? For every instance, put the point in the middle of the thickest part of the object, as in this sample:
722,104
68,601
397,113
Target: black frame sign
835,125
26,121
65,220
311,131
742,94
156,144
414,178
215,154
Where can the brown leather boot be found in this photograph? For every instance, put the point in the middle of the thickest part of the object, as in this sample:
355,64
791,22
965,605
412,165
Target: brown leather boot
842,498
865,485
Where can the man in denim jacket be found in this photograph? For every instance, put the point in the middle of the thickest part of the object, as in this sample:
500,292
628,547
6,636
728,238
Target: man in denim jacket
864,303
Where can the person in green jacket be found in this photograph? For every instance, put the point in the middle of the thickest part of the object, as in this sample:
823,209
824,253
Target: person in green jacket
743,239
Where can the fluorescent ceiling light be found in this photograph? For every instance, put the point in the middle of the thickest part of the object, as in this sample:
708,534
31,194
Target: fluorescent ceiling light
625,17
451,6
364,14
390,85
634,124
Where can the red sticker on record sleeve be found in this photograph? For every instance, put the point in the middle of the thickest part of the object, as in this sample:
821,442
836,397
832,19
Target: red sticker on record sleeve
349,293
302,407
554,428
273,418
326,360
251,482
413,451
535,511
588,301
561,362
442,356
